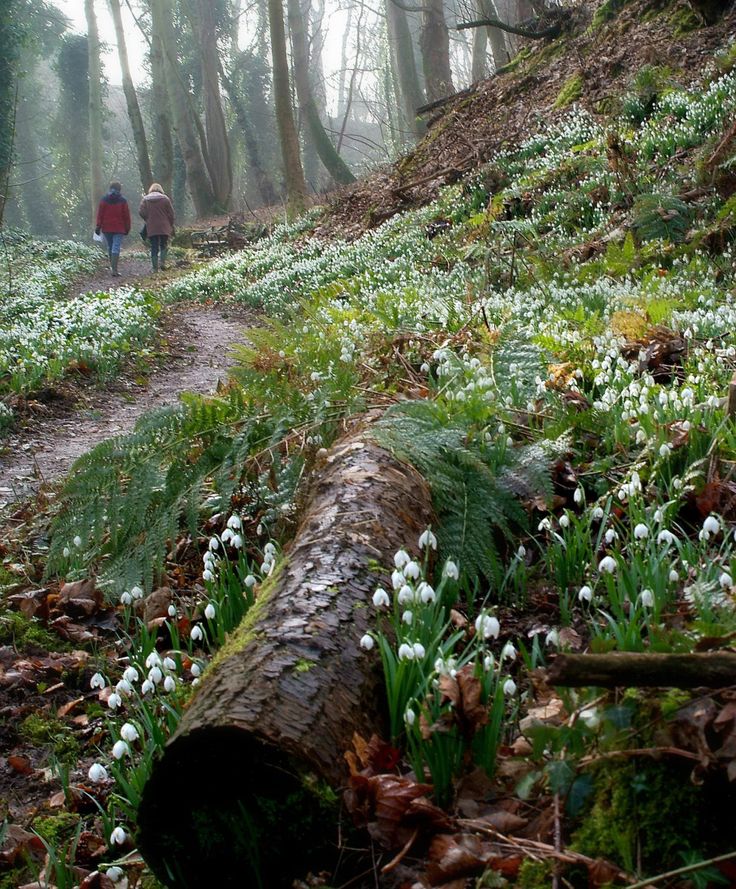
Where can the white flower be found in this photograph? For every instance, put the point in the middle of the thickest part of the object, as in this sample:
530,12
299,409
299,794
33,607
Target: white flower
647,598
552,638
598,513
136,592
544,525
407,617
564,521
155,675
97,773
711,525
673,576
664,450
406,595
169,684
97,681
410,717
401,558
251,580
381,598
126,599
169,663
397,579
237,541
450,570
124,687
130,675
153,660
196,633
77,541
419,651
226,535
665,536
214,543
607,564
66,552
521,551
426,593
196,670
367,642
427,539
146,687
658,515
508,651
488,662
115,873
725,581
209,611
509,687
406,652
412,571
172,610
120,749
234,523
114,701
207,575
585,594
118,837
578,496
590,717
641,531
128,732
487,626
610,536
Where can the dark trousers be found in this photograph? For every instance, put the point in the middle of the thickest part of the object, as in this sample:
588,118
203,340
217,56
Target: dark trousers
159,243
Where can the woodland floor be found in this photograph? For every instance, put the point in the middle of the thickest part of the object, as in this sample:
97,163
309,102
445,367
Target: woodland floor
191,354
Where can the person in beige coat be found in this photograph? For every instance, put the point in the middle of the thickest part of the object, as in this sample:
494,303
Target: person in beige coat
158,212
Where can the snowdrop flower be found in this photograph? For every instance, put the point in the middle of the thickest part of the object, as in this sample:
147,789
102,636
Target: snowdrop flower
590,717
419,651
147,687
226,535
172,611
666,536
487,626
607,565
209,611
136,592
508,651
544,525
214,543
120,749
97,773
451,570
380,598
207,575
115,873
488,662
407,617
401,558
585,594
725,581
406,652
426,593
397,579
367,642
118,837
196,634
598,513
552,638
424,368
711,525
66,552
169,684
196,670
427,540
97,681
406,595
610,536
114,701
564,521
126,599
665,450
250,581
153,660
509,687
641,532
234,523
155,675
124,687
673,576
521,551
410,717
237,541
169,663
130,675
77,541
128,732
578,496
647,598
412,571
657,516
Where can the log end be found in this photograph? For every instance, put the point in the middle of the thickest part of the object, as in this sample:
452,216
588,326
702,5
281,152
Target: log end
220,798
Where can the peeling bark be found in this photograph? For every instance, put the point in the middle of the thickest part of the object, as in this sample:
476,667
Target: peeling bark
279,707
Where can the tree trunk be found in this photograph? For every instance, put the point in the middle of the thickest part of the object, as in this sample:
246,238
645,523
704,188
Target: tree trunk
198,181
334,164
131,100
279,705
711,669
435,45
404,66
163,145
97,185
342,83
481,38
296,188
218,144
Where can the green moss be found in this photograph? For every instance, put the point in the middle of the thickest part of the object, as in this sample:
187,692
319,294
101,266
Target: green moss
570,92
725,61
683,20
303,666
43,729
605,12
21,632
535,875
56,829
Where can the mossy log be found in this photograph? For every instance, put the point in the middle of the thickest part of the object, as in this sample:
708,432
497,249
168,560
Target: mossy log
237,795
630,669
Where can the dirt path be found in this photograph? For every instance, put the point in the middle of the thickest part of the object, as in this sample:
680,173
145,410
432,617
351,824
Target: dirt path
198,342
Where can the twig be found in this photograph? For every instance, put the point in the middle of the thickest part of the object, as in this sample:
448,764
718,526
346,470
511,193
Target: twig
687,869
387,868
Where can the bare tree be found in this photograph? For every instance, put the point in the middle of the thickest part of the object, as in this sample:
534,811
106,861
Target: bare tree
95,106
435,45
404,65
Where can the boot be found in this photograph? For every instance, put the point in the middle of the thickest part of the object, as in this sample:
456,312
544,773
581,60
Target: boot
164,254
114,262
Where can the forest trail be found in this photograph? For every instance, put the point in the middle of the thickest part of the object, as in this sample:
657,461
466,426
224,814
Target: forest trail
198,341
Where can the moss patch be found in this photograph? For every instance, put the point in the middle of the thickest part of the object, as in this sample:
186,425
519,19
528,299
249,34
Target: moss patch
605,12
56,829
22,632
570,92
42,729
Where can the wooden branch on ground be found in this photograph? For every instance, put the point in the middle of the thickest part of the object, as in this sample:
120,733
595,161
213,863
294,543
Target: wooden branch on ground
709,669
278,707
552,31
439,103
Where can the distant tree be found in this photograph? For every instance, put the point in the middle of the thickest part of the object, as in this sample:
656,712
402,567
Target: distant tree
404,66
163,141
435,45
72,125
95,107
13,32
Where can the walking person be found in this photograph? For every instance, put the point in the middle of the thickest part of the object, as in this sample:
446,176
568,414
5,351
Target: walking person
158,212
113,220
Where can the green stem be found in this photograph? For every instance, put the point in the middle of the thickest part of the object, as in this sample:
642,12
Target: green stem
688,869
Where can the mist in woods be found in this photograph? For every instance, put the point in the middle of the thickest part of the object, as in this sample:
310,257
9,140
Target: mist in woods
230,105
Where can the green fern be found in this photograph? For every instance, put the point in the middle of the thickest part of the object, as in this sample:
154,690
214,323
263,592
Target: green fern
661,216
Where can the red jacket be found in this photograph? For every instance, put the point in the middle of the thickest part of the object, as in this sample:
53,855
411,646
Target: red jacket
113,214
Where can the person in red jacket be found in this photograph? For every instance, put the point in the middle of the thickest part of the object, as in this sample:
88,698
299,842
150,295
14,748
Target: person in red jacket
113,220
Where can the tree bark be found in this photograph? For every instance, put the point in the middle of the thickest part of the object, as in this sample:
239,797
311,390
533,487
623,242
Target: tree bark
333,163
712,669
97,186
481,38
296,189
404,66
490,22
198,181
279,705
435,45
163,144
131,100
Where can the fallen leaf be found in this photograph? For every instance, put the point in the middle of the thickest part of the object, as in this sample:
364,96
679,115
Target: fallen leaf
20,764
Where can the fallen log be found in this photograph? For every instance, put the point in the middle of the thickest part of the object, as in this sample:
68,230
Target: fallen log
235,799
707,669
